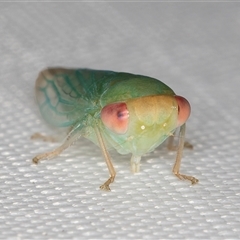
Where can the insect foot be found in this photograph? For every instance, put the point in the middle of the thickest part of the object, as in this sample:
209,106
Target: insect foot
193,180
36,160
135,164
40,157
105,186
135,167
188,145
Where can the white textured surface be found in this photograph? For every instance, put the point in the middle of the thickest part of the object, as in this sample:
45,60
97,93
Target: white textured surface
194,48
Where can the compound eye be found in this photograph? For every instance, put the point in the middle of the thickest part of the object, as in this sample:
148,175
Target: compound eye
115,117
184,110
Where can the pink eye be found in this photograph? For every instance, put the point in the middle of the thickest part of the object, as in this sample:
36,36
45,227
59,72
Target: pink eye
184,110
115,117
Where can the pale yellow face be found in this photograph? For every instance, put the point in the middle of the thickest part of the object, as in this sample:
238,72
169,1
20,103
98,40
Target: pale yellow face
151,120
139,125
152,110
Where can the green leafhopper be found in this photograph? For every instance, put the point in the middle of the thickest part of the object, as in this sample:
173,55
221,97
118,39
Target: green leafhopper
130,113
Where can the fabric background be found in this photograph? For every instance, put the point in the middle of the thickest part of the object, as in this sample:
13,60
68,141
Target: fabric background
193,48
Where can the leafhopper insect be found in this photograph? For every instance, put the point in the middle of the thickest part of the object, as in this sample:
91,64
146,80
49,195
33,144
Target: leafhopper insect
130,113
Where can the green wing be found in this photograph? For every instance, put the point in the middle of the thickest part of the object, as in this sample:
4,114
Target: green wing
66,96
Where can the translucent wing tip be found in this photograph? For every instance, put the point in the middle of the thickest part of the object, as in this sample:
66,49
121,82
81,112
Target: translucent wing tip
53,92
48,73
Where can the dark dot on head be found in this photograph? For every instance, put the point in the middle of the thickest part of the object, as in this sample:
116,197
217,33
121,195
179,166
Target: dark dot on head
120,114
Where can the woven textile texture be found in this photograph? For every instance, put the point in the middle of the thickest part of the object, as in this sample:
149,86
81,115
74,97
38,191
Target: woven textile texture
194,49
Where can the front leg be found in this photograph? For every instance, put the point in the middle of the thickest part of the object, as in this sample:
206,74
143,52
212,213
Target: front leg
135,163
176,167
108,161
172,147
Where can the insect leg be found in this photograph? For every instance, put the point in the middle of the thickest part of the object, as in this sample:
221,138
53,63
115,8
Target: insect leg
72,136
176,167
50,138
135,163
108,160
172,147
45,138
